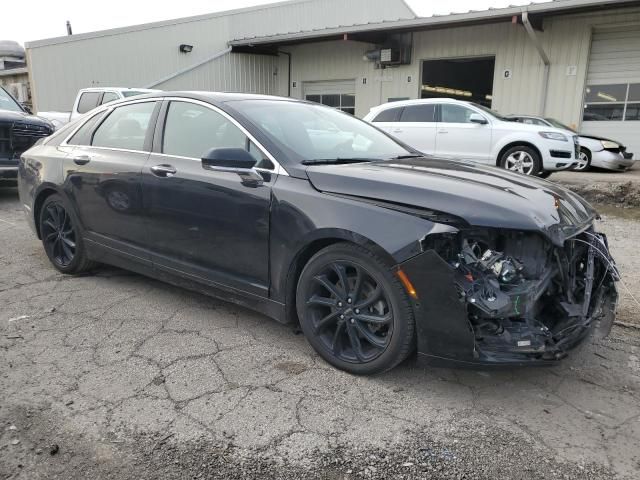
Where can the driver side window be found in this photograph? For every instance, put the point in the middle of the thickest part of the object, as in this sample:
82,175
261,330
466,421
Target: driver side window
455,113
191,130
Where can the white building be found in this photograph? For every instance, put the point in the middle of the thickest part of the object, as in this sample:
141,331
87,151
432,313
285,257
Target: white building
575,60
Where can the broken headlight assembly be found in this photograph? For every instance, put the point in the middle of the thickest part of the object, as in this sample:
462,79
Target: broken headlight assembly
524,295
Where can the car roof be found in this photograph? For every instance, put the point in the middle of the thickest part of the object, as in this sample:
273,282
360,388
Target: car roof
216,97
120,89
418,101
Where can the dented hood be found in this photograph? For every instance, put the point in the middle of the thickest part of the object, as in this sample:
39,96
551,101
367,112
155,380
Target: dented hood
482,196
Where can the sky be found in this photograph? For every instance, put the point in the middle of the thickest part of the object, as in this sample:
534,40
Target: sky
23,21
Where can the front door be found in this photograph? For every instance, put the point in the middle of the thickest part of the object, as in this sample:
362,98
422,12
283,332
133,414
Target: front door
460,139
417,127
211,226
103,172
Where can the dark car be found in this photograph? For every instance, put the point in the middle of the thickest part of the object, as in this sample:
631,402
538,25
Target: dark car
310,215
19,130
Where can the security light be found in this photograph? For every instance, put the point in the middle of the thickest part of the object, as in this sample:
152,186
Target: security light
184,48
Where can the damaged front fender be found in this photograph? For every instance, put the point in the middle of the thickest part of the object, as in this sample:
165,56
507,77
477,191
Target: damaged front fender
496,297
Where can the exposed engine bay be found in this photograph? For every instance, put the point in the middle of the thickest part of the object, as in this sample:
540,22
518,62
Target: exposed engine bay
525,296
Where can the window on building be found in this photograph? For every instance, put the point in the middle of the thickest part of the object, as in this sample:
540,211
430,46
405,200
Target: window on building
341,101
125,128
612,102
88,101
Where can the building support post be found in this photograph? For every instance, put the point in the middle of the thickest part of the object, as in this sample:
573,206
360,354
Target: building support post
545,60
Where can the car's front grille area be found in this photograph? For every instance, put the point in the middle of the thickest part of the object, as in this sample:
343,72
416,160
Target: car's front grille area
28,130
5,142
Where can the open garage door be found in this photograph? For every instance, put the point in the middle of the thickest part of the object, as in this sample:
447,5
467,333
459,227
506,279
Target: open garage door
612,97
339,94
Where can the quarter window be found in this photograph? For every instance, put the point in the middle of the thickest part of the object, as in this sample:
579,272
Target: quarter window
125,128
88,101
455,113
83,135
419,113
109,97
192,130
614,102
388,115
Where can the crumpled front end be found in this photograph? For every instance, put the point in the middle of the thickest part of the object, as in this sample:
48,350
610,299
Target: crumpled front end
492,296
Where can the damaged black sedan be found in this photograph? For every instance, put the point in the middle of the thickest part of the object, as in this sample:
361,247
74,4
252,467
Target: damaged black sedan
312,216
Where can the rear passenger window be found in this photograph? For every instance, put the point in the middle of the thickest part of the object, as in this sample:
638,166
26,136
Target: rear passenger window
389,115
83,135
126,127
88,101
419,113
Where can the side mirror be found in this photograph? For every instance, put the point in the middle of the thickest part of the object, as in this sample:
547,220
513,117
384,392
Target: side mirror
228,159
477,118
236,160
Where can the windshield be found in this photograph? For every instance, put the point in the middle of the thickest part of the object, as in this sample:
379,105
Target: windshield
8,103
309,132
132,93
493,113
558,124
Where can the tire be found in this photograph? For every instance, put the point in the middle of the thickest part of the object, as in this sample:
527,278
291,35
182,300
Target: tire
584,161
521,159
61,237
367,327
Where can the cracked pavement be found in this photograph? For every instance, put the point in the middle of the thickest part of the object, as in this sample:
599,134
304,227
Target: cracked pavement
133,378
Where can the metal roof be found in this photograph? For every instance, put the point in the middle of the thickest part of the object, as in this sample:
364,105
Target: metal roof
551,7
401,4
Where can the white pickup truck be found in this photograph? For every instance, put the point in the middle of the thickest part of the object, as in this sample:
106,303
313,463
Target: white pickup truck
88,99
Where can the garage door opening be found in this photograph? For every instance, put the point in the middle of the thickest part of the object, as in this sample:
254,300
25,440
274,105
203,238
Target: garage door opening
460,78
336,94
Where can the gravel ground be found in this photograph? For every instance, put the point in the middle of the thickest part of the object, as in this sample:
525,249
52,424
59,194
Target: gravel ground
117,376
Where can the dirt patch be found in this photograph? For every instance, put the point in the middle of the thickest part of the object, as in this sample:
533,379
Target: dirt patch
616,193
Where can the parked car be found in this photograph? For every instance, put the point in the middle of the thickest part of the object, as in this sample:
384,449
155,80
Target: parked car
89,98
19,130
310,215
464,130
594,151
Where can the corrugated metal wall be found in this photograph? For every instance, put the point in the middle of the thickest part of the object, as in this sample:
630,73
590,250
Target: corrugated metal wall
135,57
566,40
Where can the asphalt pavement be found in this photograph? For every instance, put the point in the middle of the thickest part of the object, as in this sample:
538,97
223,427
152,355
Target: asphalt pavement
114,375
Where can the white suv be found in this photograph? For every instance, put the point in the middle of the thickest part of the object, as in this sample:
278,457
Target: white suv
467,131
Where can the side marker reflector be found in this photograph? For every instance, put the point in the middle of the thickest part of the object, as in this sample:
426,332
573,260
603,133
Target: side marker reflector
407,284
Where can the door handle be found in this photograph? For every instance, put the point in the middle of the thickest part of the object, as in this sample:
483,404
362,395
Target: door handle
81,159
397,130
163,170
443,131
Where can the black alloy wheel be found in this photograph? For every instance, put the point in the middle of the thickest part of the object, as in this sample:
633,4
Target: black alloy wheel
353,310
60,237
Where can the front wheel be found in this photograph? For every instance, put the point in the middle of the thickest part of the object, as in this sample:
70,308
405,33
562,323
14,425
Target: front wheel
354,311
584,161
522,159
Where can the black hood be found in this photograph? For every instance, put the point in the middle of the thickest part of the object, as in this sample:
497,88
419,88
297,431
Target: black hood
9,116
482,196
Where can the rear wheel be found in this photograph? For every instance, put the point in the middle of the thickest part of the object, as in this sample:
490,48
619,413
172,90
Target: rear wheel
60,237
354,311
584,161
522,159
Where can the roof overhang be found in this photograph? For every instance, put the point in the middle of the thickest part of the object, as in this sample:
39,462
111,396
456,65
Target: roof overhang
371,32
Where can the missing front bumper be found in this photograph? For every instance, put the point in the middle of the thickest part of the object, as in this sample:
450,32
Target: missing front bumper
535,335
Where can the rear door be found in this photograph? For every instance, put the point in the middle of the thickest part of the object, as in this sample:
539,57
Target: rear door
459,138
417,127
102,175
